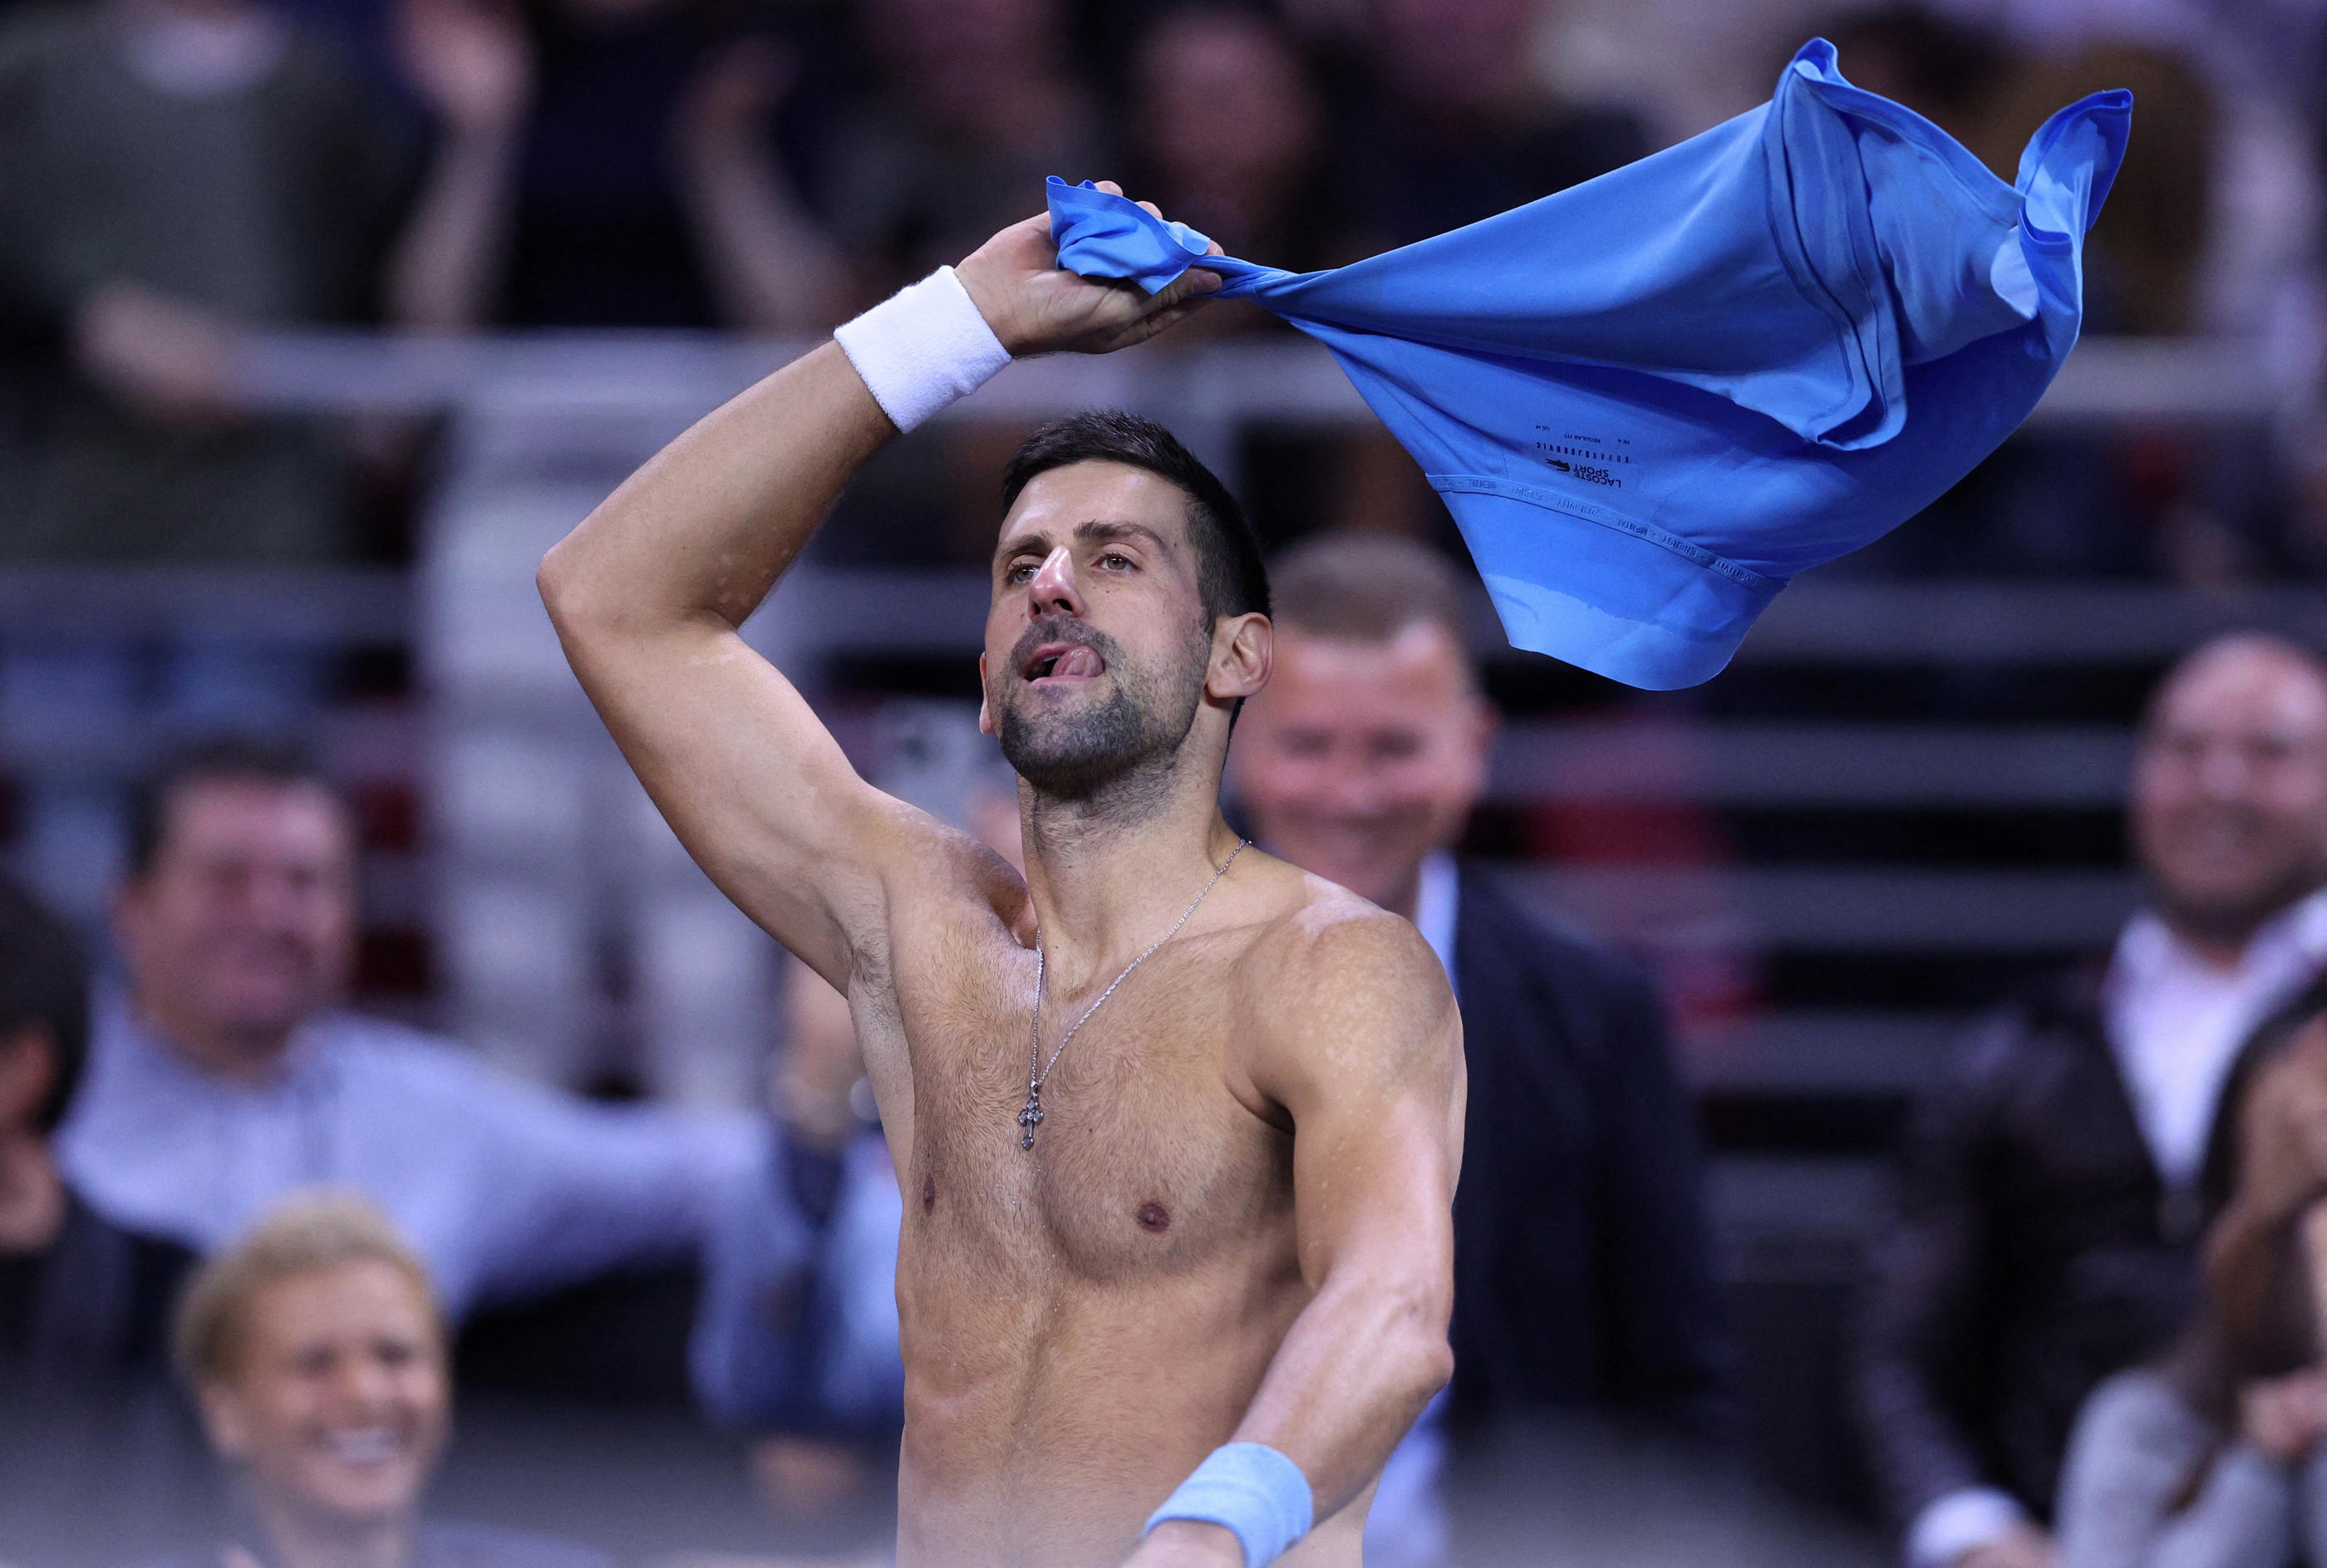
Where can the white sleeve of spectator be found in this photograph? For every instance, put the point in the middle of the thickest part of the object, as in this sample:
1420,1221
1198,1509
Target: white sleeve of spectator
581,1188
2245,1514
922,347
1960,1522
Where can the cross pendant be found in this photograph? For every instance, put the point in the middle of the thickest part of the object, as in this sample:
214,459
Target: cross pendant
1028,1117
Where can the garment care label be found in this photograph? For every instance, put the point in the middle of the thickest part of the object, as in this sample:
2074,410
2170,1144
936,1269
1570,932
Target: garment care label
1588,458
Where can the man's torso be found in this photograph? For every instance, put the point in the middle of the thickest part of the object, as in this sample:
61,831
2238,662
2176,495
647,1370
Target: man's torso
1084,1320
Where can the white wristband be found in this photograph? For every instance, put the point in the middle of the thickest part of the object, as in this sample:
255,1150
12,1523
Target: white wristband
922,347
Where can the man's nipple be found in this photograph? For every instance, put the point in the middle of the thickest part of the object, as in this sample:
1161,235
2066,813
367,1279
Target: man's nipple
1154,1219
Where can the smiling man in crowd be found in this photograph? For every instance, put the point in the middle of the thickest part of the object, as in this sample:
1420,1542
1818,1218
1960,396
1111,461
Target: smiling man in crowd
229,1073
2059,1174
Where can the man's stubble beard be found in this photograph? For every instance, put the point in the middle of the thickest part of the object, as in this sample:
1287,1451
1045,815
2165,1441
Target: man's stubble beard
1116,758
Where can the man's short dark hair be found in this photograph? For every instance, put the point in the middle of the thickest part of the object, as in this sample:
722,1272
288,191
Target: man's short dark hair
1232,576
43,985
224,760
1368,588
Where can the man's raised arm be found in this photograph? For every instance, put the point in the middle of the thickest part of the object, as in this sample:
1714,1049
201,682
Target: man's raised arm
648,594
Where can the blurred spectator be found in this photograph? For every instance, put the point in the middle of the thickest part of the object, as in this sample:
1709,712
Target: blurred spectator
2224,181
1228,136
80,1300
2203,507
226,1075
315,1348
1945,70
99,1462
1583,1275
2211,1458
797,1339
616,169
1442,124
2051,1199
977,105
2144,260
171,170
2211,227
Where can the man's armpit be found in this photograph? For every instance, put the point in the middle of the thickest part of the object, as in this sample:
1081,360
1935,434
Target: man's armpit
939,885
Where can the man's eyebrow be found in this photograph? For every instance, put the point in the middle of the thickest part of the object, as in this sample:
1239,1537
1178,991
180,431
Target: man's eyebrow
1105,528
1089,531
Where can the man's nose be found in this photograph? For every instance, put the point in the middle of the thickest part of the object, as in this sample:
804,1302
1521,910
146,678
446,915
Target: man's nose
273,897
1352,789
2225,772
1055,586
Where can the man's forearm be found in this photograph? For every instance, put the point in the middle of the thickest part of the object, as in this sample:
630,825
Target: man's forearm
707,526
1354,1372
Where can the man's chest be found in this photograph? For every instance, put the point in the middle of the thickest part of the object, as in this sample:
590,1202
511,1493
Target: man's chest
1148,1153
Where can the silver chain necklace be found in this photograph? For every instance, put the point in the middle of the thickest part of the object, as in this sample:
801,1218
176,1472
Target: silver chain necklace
1037,1075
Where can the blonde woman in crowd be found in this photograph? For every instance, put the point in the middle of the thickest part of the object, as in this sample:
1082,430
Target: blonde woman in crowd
317,1355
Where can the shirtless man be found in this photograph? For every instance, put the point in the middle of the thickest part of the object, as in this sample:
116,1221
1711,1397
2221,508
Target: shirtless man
1224,1242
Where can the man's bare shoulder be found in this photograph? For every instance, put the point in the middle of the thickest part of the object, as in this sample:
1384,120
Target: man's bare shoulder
1328,966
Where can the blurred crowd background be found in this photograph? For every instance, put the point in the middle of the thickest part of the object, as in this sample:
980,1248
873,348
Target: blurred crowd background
1902,1127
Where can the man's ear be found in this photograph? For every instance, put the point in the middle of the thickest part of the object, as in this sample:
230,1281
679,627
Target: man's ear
224,1420
131,906
1483,720
1244,652
28,1071
1486,721
984,710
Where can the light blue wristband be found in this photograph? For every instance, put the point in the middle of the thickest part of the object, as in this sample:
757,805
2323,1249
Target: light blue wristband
1252,1491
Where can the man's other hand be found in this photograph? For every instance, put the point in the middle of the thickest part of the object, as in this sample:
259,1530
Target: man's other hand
1188,1543
2025,1546
1036,307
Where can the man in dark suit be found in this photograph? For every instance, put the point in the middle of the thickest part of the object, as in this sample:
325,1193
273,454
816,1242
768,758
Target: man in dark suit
1582,1279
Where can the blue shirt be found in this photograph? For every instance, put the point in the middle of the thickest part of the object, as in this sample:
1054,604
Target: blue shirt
1652,400
504,1188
